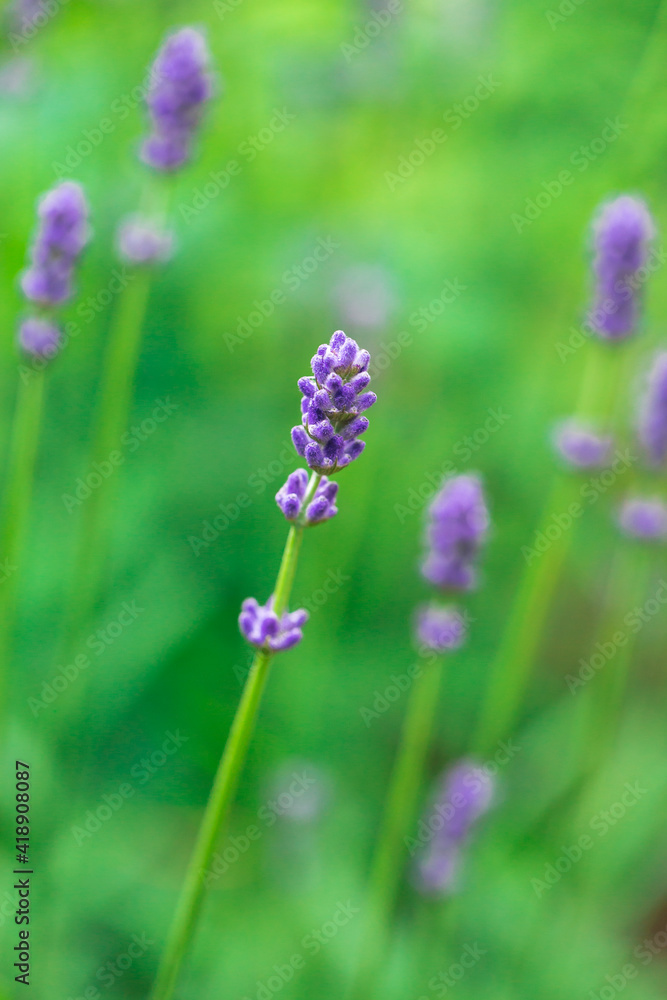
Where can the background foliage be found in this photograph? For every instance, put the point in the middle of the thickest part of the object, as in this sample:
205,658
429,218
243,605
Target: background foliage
179,666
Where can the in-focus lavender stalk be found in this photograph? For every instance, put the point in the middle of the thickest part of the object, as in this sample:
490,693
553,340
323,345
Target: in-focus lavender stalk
458,525
304,501
465,793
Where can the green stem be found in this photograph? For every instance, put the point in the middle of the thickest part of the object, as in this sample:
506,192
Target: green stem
510,671
226,779
18,492
399,816
110,420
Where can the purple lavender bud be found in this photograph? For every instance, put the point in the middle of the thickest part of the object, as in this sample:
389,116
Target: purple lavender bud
622,233
331,405
180,86
260,625
61,236
322,506
39,337
440,629
653,420
465,794
141,242
581,447
645,520
458,526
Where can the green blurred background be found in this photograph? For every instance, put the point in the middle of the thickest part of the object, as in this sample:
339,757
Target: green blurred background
397,245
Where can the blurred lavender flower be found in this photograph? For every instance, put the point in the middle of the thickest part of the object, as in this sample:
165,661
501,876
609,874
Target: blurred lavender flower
332,403
290,498
39,337
62,234
459,522
581,447
181,84
622,233
645,520
440,629
466,793
141,242
19,77
653,420
262,628
364,297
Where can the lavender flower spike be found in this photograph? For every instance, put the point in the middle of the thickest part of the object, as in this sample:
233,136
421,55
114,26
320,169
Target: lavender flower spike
290,498
581,447
62,234
262,628
181,84
653,420
459,522
645,520
141,242
332,403
39,337
440,629
466,793
622,233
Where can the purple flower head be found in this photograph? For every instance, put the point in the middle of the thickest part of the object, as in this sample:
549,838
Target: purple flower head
290,498
39,337
61,236
333,402
653,419
622,234
141,242
262,628
645,520
440,629
458,525
581,447
465,794
180,86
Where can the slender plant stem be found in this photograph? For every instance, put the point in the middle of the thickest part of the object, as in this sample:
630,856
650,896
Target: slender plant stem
226,779
510,670
399,815
18,491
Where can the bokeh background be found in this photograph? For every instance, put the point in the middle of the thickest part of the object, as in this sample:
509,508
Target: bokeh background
397,245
